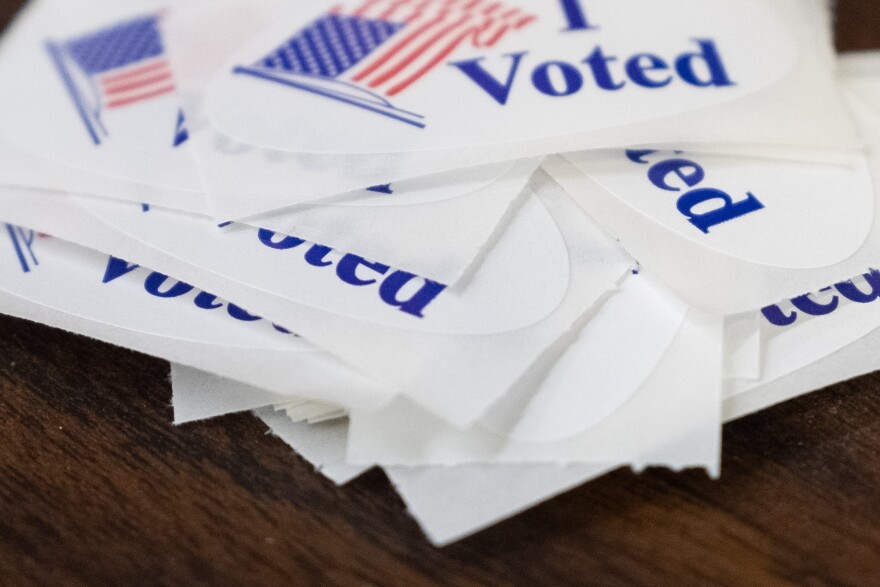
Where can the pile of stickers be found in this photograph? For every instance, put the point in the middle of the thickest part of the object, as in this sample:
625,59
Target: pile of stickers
497,248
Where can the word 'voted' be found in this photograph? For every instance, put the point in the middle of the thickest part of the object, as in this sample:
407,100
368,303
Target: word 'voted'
674,173
702,69
160,285
861,290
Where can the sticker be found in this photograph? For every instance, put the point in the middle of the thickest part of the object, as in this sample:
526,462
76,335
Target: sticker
404,76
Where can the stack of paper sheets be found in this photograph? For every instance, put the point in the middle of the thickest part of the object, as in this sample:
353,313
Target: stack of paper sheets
496,248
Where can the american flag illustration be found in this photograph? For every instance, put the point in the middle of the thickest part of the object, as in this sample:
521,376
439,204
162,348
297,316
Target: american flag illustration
115,67
376,51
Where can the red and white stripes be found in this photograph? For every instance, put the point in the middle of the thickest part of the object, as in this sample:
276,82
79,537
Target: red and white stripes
435,29
139,82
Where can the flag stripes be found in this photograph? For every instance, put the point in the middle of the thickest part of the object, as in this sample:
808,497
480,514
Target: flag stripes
126,62
434,29
137,84
388,45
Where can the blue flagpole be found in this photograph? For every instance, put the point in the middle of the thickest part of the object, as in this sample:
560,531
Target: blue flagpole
57,58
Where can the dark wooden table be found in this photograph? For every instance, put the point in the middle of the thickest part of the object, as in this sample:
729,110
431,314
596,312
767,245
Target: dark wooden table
97,488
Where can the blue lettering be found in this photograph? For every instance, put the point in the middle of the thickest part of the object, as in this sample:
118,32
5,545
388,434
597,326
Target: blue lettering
711,58
809,306
499,91
154,282
288,242
347,270
777,317
724,213
848,289
691,174
351,269
117,268
659,172
852,292
385,188
240,314
416,304
207,301
315,256
598,63
638,155
570,75
575,16
637,70
702,68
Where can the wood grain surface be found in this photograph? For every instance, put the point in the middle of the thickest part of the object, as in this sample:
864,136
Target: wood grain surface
97,488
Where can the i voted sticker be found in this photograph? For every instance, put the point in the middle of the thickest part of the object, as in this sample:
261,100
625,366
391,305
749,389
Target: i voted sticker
93,87
530,259
805,329
63,276
762,211
394,76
